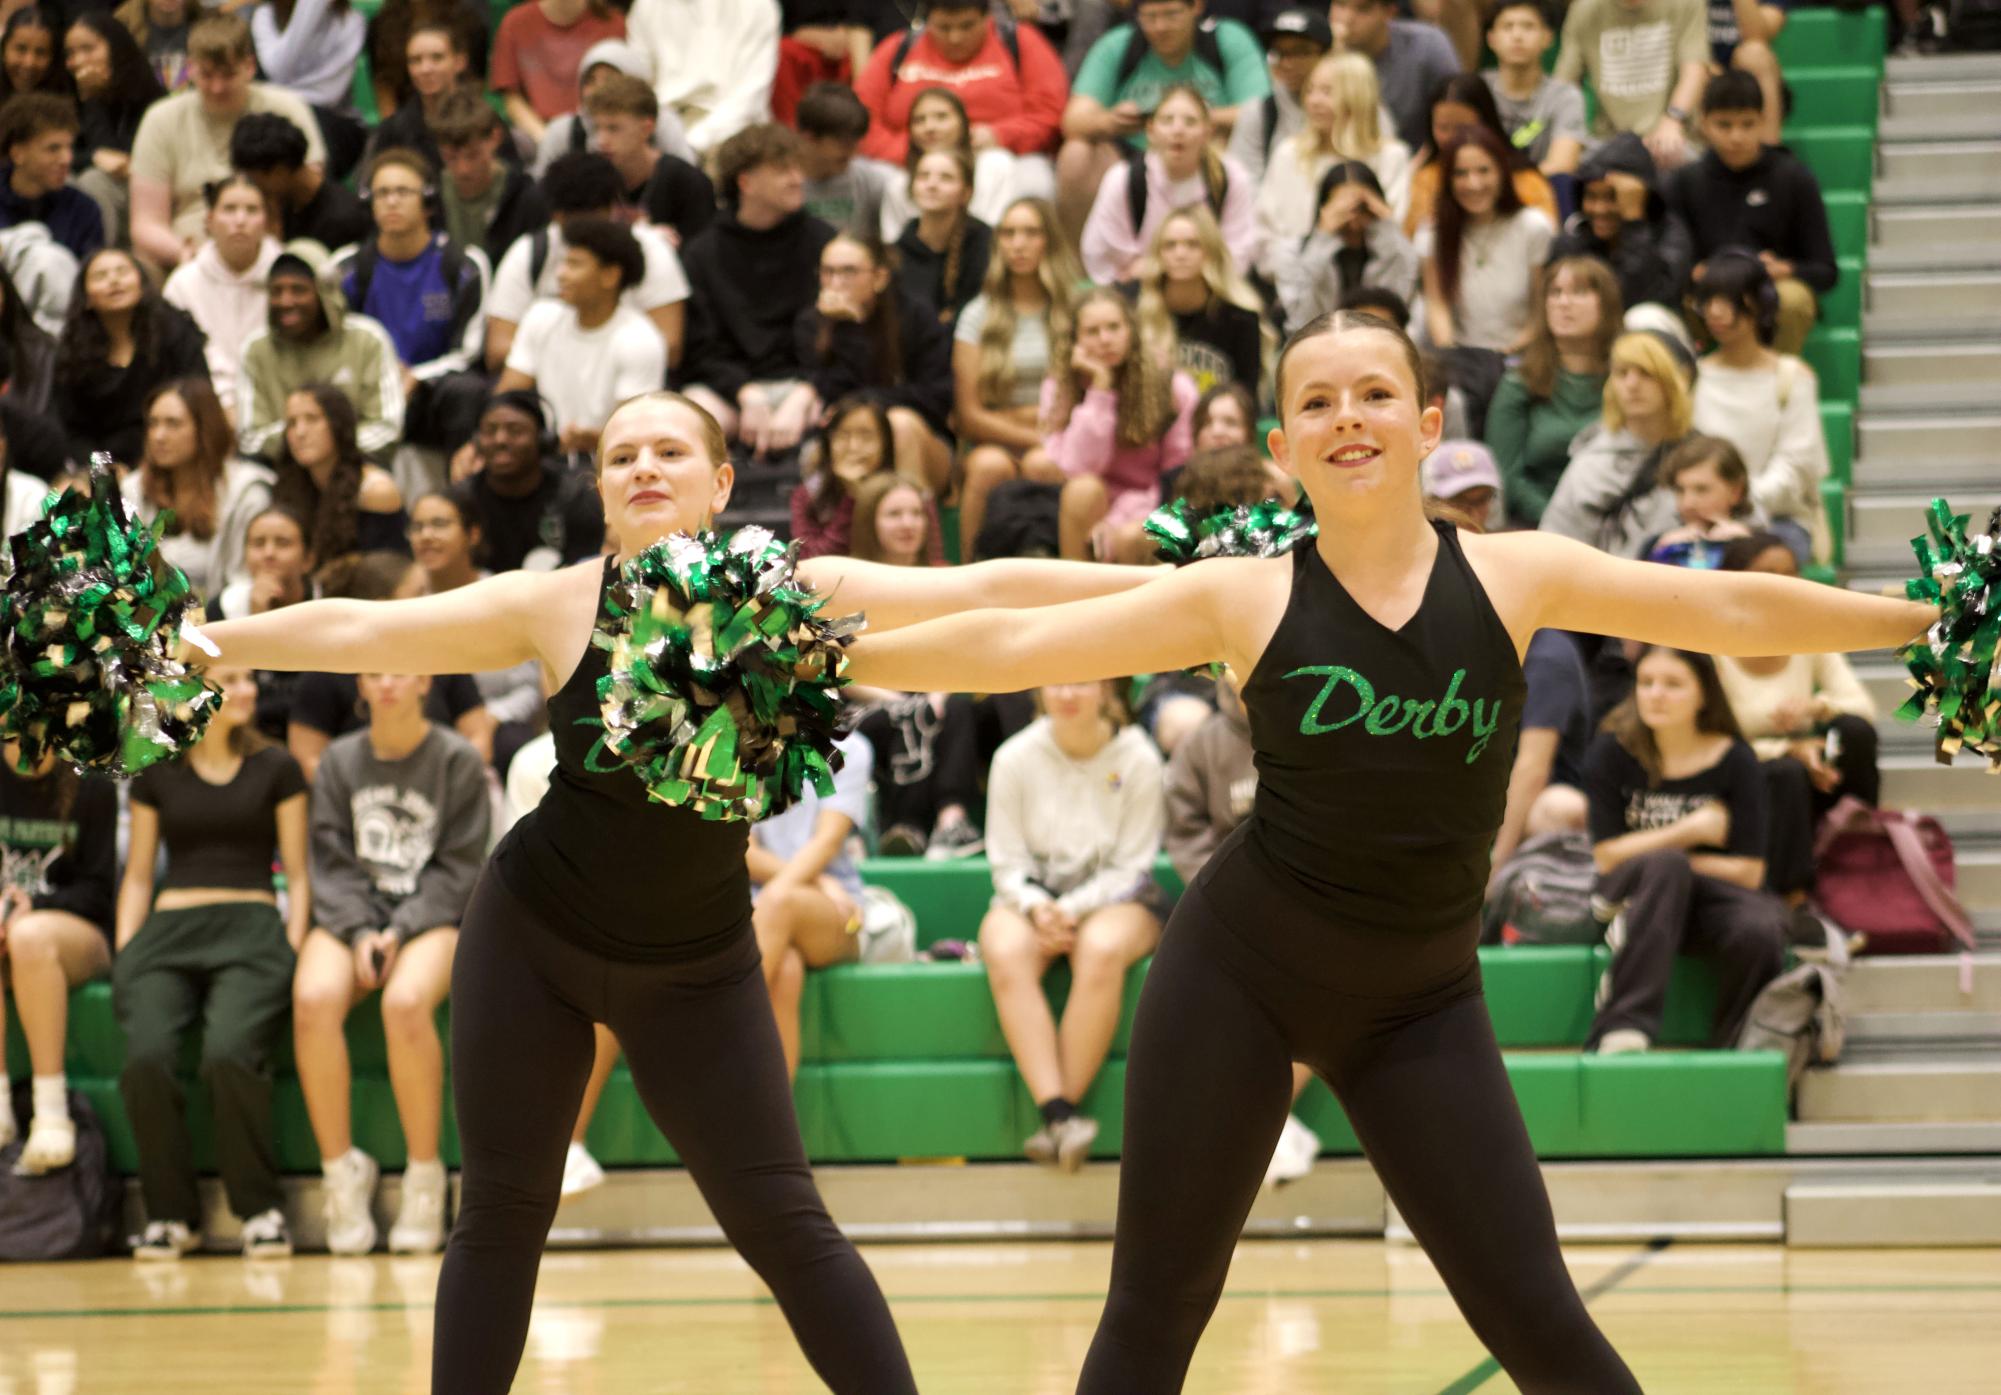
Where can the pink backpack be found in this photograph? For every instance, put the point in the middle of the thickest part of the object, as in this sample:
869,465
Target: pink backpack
1890,875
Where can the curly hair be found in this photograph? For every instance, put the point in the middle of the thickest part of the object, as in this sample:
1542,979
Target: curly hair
332,513
1144,382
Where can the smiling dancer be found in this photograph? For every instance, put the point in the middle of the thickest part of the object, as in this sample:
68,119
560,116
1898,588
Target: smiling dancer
603,905
1337,926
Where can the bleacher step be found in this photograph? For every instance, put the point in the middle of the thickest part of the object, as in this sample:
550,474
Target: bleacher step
1920,984
1956,112
1971,180
1902,232
1956,162
1923,1031
1915,781
1933,98
1884,520
1937,253
1901,303
1970,368
1940,68
1845,1214
1890,1140
1961,1089
1930,475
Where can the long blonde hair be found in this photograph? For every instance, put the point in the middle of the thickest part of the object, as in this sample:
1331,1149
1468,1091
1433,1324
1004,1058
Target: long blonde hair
1060,274
1219,273
1144,382
1357,133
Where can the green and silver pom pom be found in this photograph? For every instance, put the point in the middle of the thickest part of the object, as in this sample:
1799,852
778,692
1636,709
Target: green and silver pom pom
91,621
1953,666
1268,529
724,680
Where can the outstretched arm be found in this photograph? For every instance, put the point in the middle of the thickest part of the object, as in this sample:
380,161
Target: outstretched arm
1565,585
1171,623
896,596
495,623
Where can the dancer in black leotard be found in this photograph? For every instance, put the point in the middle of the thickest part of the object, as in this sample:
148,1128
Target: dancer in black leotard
1338,925
605,906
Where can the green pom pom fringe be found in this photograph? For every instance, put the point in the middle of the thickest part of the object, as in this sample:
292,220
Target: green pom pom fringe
724,682
1228,530
90,623
1953,665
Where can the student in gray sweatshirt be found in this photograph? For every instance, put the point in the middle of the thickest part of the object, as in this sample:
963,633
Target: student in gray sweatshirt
399,824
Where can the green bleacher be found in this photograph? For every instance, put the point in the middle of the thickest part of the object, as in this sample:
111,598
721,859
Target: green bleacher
905,1061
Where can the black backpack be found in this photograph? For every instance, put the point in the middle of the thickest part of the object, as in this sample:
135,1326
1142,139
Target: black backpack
72,1213
1206,49
1021,521
1136,190
1971,26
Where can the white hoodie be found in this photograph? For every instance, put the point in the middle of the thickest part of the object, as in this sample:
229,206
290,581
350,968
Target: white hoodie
713,61
314,55
1083,834
229,306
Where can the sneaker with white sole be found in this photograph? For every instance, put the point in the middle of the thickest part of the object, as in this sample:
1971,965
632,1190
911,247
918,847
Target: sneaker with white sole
1293,1157
1040,1146
420,1220
959,838
1074,1137
51,1146
166,1240
265,1236
581,1172
1624,1041
349,1186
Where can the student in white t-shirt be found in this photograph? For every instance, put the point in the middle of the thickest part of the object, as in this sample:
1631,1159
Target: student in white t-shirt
588,351
579,186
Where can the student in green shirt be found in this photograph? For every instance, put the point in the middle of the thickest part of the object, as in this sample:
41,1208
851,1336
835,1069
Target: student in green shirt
1165,44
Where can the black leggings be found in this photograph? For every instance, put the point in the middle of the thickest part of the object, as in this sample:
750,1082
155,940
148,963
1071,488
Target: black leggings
704,1053
1400,1031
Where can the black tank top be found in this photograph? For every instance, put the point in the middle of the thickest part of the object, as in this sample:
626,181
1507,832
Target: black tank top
619,872
1383,756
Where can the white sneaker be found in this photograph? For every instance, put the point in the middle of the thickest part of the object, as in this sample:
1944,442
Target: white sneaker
420,1221
580,1171
1040,1146
51,1146
166,1240
1293,1158
1624,1041
1074,1137
265,1236
350,1189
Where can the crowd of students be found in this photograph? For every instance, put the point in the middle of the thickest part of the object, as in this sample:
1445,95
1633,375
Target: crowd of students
1020,266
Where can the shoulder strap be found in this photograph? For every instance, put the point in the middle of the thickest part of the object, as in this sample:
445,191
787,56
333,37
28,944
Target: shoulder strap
1207,47
1789,371
1902,834
363,271
578,141
1136,190
538,257
903,47
1129,61
1010,37
1271,125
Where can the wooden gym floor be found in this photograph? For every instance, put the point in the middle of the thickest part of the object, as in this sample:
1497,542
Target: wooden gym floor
1355,1317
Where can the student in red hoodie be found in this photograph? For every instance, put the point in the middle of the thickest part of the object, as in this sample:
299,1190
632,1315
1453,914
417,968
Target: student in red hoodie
1007,77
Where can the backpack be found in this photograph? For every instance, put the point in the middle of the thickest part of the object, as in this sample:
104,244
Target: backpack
889,928
72,1213
1799,1014
1136,190
452,266
1270,132
1891,875
1970,26
1543,896
1020,521
1010,39
1206,48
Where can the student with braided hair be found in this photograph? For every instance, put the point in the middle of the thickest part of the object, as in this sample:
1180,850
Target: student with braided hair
944,250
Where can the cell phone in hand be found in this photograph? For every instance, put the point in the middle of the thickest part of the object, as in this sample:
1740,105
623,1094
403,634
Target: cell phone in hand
378,959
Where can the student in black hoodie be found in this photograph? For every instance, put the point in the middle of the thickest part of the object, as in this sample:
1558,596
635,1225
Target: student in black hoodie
864,335
754,271
1624,221
439,65
487,201
1744,193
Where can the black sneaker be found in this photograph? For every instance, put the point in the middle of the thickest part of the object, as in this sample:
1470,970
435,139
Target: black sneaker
901,840
959,838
